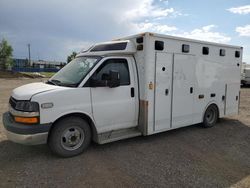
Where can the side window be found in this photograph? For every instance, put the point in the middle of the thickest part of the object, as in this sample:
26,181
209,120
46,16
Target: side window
237,54
159,45
222,52
205,50
185,48
119,65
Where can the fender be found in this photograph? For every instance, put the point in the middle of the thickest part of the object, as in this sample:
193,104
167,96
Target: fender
85,115
74,112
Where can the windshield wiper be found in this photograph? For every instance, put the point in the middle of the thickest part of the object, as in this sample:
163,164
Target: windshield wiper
54,82
68,84
59,83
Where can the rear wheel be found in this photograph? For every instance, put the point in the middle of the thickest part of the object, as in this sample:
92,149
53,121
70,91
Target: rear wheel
69,137
211,116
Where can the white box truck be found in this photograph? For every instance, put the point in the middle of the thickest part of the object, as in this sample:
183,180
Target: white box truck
137,85
245,74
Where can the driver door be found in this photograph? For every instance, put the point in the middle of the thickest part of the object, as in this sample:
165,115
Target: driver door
115,108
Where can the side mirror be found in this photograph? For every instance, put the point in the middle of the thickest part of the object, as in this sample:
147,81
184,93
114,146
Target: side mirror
94,82
114,79
105,76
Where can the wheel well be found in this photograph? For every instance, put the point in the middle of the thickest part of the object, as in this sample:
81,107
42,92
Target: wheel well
212,104
83,116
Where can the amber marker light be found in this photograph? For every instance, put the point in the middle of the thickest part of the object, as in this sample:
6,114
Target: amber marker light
29,120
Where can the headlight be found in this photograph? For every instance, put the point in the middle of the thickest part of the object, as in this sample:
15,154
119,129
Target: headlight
27,106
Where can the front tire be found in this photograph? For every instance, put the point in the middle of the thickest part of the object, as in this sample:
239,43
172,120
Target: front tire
69,137
211,116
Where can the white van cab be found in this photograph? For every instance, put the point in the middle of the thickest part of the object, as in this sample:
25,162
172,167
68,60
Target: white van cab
138,85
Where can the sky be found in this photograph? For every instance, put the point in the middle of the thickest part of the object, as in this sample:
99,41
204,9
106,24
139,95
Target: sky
56,28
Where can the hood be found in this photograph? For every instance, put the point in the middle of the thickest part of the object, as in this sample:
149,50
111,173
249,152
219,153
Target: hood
25,92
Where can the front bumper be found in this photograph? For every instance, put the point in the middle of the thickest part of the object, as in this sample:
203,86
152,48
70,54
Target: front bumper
25,134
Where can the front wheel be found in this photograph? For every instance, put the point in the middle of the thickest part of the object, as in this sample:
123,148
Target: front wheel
69,137
211,116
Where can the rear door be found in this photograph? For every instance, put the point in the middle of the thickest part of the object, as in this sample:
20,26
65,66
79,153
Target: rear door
232,99
183,90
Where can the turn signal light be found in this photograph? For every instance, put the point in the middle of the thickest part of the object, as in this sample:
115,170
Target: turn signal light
29,120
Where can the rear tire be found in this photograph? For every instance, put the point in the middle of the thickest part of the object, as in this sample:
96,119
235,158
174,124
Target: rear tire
69,137
211,116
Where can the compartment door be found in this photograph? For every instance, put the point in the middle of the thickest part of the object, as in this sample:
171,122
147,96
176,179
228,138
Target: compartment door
163,91
183,90
232,99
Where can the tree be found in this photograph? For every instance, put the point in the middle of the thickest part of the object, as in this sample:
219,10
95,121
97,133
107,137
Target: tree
5,54
71,57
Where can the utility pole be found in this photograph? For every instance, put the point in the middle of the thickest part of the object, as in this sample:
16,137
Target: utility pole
29,54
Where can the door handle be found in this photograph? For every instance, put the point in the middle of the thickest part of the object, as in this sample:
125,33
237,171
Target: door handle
191,89
132,92
223,97
201,96
166,91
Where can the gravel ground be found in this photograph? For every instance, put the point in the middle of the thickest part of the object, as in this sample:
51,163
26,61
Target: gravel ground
187,157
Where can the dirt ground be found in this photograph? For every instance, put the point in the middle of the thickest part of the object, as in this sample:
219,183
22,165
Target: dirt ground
187,157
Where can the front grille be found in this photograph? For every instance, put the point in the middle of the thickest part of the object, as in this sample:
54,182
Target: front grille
12,102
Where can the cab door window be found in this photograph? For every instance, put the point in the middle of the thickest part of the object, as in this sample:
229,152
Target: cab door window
118,65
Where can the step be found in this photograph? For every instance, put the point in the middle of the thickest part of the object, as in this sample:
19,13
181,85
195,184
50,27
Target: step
121,134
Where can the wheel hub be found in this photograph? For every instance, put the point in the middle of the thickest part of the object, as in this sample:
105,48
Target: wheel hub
210,116
72,138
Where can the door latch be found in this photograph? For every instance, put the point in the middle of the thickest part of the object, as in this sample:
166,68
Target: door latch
166,91
191,89
132,92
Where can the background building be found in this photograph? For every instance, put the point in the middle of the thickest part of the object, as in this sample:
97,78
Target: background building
23,65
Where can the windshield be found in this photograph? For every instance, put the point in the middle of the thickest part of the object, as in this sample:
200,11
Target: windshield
74,72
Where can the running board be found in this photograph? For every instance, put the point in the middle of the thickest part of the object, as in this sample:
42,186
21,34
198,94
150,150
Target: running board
112,136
